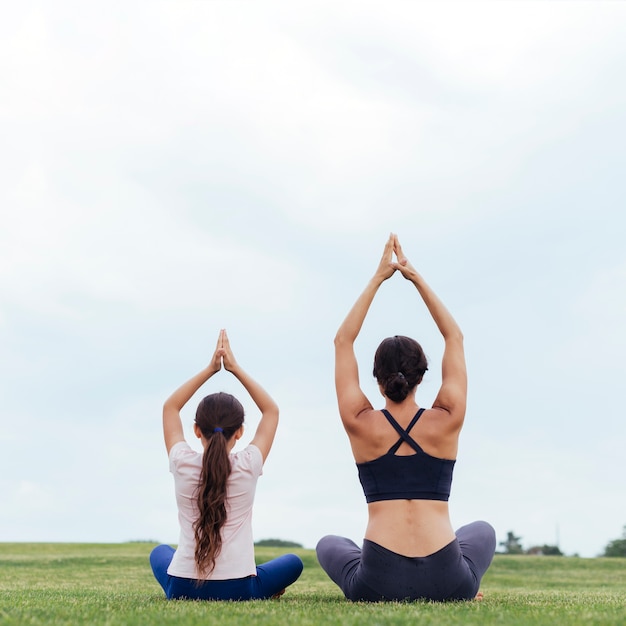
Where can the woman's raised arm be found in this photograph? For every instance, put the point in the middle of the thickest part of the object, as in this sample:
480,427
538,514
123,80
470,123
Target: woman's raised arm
452,396
351,399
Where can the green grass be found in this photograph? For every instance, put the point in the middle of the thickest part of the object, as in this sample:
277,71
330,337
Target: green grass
112,584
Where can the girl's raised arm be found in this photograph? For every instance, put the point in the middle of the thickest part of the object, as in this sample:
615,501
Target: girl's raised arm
266,430
172,424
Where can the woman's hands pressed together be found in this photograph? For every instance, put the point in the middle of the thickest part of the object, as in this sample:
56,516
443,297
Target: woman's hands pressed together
386,267
403,265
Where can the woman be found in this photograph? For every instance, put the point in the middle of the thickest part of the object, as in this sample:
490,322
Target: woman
405,457
215,492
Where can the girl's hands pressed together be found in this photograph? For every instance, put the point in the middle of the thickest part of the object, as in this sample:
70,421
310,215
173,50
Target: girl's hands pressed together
216,360
230,363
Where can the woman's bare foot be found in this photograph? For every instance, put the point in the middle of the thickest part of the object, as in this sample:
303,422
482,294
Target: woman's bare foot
277,595
479,596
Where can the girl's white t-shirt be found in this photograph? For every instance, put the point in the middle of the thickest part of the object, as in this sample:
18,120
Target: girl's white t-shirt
236,558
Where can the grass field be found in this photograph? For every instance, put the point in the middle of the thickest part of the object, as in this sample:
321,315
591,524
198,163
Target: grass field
112,584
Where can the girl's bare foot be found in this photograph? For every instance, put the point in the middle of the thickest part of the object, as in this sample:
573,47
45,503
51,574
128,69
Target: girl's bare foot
277,595
479,596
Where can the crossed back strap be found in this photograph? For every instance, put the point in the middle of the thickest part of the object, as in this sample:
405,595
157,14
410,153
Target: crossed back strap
404,434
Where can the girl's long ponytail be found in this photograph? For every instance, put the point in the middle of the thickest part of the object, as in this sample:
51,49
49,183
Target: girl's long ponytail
219,416
211,502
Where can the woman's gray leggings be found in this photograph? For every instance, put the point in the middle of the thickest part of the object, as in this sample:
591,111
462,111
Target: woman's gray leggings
375,574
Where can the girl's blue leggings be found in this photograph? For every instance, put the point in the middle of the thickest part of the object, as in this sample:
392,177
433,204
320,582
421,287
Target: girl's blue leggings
271,578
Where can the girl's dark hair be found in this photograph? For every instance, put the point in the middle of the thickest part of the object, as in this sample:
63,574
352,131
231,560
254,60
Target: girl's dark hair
399,365
216,411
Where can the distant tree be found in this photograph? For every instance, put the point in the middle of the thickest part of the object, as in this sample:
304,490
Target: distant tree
512,544
277,543
617,547
545,550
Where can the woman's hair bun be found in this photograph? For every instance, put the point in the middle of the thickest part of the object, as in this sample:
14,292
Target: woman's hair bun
399,365
396,387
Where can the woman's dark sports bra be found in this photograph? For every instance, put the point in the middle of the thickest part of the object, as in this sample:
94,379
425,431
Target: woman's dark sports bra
418,476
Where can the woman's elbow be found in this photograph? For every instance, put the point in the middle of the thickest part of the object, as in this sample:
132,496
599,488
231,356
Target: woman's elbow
455,336
341,339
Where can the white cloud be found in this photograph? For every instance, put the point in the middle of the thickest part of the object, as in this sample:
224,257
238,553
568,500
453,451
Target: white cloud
133,252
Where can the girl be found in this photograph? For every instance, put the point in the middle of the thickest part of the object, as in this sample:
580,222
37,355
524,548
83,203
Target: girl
405,457
215,492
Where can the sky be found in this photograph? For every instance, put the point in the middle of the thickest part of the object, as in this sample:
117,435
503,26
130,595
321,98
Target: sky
173,168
